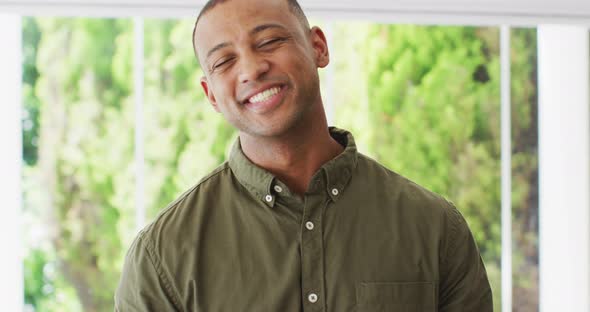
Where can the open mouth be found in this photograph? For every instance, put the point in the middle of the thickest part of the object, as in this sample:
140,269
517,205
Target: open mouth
264,95
266,100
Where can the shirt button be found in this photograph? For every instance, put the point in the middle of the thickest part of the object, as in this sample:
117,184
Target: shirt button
334,191
309,225
313,298
268,198
278,188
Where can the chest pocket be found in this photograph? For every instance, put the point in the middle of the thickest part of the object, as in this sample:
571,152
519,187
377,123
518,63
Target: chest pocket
395,297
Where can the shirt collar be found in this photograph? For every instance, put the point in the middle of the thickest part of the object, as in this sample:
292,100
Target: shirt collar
332,177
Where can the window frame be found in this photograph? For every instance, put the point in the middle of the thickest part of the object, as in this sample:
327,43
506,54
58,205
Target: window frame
512,16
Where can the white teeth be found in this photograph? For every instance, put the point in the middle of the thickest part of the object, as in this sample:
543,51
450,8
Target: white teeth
264,95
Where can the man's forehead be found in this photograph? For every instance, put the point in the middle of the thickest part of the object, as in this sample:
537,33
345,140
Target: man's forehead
243,13
239,17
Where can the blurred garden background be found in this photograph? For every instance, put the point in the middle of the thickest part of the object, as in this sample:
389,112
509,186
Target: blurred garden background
423,100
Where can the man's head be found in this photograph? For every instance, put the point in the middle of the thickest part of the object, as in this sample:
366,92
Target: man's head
260,60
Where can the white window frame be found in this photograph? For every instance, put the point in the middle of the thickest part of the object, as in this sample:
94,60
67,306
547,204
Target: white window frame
462,12
483,13
564,168
11,262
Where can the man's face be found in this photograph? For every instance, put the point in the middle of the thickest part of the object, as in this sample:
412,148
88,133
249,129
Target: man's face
260,65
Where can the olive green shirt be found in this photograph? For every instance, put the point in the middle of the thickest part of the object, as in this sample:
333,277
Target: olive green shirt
362,238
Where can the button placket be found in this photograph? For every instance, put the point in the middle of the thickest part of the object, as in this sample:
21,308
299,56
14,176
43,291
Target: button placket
312,264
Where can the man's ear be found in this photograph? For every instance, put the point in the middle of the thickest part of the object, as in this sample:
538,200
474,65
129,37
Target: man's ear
320,47
208,93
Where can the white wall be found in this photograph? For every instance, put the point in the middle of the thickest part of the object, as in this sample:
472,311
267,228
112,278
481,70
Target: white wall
11,272
564,171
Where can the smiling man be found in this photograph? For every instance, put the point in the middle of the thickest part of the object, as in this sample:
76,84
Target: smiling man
297,219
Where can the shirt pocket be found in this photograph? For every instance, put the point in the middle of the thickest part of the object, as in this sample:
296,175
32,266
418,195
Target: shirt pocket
395,297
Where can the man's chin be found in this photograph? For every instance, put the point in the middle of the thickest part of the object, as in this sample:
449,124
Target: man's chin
274,131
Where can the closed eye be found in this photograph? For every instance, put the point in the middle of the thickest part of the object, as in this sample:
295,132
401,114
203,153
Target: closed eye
222,63
271,42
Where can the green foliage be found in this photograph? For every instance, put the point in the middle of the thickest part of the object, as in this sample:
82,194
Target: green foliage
525,168
31,103
185,137
35,279
85,152
86,146
427,104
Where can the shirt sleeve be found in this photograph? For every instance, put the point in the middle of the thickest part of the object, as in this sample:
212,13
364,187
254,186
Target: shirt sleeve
464,284
143,285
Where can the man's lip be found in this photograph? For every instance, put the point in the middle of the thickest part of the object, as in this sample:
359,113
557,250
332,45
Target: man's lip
260,89
267,105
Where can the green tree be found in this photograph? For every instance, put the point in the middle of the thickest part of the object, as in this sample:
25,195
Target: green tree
86,148
438,120
525,170
185,137
84,154
32,35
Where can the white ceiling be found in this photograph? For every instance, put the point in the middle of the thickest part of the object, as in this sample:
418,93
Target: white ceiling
517,12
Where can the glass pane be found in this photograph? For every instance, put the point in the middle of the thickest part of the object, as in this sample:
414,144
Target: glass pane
185,137
425,102
78,151
525,171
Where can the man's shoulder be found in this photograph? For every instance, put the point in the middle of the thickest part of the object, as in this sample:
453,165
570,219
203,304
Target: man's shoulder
400,198
180,215
401,189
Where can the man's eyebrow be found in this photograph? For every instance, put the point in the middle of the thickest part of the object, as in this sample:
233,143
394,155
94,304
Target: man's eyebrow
218,47
263,27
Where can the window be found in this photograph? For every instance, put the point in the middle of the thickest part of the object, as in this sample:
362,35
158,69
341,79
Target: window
99,160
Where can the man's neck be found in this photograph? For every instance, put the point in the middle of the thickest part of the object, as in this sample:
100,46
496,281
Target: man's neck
295,157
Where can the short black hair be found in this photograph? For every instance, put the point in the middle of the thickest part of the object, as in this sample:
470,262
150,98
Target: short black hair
294,7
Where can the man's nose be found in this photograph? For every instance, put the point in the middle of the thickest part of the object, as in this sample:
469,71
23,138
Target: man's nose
252,67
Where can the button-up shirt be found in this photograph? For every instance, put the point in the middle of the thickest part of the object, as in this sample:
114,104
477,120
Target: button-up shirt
361,238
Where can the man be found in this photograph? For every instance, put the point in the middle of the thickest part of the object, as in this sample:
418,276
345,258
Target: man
297,219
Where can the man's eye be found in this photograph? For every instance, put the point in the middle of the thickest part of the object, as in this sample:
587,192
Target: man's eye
270,42
221,63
